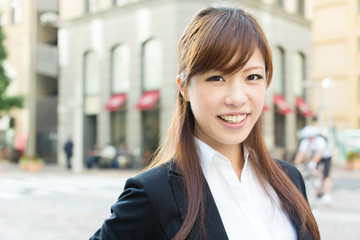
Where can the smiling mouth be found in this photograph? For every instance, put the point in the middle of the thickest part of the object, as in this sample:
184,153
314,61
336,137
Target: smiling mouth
233,119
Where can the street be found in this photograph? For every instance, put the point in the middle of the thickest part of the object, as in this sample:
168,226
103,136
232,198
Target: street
341,219
56,204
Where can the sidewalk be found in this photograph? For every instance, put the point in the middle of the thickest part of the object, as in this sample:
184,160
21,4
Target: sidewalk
48,169
337,172
88,196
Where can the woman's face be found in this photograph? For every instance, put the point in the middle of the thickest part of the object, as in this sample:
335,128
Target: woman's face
226,107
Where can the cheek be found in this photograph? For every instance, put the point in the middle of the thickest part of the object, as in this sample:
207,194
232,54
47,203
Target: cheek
201,103
258,97
204,107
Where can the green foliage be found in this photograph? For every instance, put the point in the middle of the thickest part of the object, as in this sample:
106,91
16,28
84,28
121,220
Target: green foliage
6,102
31,159
352,156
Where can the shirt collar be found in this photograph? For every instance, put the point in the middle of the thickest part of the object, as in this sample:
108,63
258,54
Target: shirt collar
208,155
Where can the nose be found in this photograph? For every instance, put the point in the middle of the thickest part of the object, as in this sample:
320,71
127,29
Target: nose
236,94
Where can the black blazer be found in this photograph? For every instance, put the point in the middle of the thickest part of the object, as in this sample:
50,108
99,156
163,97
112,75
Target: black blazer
153,204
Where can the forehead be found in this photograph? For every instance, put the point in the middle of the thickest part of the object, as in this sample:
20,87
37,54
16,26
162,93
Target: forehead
255,59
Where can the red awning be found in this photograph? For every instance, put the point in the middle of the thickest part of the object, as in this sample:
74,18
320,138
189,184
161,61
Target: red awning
282,104
148,100
265,108
115,102
304,107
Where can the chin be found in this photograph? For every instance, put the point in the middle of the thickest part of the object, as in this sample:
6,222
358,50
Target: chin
233,141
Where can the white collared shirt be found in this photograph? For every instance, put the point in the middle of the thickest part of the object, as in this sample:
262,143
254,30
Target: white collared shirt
245,209
318,143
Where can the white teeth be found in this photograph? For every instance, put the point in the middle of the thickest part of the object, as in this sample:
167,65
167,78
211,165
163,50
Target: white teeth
233,119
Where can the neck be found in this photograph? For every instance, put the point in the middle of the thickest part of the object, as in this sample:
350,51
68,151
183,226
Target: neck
237,160
235,154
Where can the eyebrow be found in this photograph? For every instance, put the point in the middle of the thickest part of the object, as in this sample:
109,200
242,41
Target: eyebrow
254,68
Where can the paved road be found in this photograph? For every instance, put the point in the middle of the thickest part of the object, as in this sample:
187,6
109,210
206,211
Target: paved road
55,204
341,219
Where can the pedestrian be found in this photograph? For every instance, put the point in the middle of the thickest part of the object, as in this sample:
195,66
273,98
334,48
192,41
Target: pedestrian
213,177
321,153
123,156
108,155
68,149
93,156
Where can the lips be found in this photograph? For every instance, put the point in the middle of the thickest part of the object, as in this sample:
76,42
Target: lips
233,119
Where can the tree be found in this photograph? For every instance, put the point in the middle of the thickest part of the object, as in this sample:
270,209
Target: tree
6,102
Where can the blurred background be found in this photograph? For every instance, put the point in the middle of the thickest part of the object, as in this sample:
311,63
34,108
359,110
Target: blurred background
101,73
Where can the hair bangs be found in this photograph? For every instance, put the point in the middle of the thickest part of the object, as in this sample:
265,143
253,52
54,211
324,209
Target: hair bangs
226,43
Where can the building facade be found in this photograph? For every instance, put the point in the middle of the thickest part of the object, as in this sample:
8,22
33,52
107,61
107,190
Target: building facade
336,64
118,63
17,20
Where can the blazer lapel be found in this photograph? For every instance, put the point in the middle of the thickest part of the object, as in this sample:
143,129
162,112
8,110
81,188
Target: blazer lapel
214,227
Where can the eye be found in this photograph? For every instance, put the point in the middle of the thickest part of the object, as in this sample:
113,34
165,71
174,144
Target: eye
215,78
254,77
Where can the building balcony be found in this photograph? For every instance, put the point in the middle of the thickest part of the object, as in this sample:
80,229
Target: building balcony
47,60
47,5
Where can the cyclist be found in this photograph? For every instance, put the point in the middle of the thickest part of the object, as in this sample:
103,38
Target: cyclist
321,154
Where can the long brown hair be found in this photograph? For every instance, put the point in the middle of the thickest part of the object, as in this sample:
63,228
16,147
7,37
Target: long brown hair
210,41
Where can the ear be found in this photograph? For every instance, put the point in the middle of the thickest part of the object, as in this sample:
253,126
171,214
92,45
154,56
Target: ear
180,82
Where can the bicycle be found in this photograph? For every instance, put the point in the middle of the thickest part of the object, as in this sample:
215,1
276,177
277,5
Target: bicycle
313,183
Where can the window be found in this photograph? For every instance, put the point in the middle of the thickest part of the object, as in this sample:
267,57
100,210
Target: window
152,65
299,75
279,130
278,80
91,6
151,80
16,13
120,69
118,127
150,133
301,7
278,85
91,74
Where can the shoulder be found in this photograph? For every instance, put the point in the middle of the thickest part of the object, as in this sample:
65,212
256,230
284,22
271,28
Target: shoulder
293,173
151,179
148,184
288,168
304,143
154,175
153,186
320,140
139,206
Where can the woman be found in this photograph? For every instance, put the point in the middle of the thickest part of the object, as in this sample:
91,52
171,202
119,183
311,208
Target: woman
213,177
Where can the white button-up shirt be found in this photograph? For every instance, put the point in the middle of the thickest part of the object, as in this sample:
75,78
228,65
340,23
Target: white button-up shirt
245,209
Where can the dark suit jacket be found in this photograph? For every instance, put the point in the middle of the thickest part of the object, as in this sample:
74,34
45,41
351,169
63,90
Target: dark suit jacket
153,204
